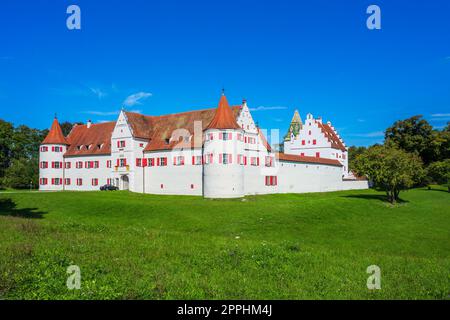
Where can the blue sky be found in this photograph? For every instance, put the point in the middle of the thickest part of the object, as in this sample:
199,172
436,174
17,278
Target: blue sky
170,56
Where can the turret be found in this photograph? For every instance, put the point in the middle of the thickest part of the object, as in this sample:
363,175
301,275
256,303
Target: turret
51,159
223,152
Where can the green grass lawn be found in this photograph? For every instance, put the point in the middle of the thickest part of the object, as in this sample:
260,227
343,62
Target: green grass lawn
293,246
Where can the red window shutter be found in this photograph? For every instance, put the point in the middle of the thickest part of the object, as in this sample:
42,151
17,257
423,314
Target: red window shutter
137,162
245,139
125,161
193,159
53,180
276,180
303,142
182,160
314,141
220,158
118,144
229,136
317,154
144,160
157,161
230,158
220,136
257,161
245,160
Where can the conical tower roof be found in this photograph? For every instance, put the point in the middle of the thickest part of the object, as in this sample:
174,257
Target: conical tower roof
55,135
224,117
295,126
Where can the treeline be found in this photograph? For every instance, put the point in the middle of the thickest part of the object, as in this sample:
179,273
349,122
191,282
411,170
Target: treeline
19,154
413,154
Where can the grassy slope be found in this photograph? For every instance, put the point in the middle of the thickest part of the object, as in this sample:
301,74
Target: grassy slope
277,246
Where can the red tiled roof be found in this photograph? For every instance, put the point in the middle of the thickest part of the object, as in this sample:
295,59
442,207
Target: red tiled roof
329,133
159,129
97,137
264,141
305,159
55,135
223,118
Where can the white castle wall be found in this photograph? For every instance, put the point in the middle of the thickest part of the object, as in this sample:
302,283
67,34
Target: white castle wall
174,179
102,173
223,180
51,173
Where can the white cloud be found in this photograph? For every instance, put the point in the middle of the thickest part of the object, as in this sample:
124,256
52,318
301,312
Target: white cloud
263,108
98,92
374,134
136,98
361,120
438,115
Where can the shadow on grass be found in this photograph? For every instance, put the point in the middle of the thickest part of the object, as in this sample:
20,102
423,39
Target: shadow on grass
375,197
9,208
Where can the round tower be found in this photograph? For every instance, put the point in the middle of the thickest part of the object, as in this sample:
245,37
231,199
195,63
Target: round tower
51,159
223,151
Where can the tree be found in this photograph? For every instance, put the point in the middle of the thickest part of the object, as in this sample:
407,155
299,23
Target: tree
21,173
413,135
66,127
6,137
439,172
391,169
353,152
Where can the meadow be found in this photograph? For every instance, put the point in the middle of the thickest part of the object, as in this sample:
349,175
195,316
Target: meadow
290,246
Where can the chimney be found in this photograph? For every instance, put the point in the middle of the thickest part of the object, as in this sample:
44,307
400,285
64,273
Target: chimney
88,124
319,119
244,102
329,123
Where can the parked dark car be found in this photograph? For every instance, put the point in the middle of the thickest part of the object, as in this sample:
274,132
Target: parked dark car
108,187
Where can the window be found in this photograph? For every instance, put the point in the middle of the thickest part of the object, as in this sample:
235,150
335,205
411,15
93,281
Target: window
225,136
67,181
303,142
314,141
239,136
302,154
79,182
57,149
138,162
68,165
43,165
240,159
178,161
122,162
269,161
56,181
96,164
56,165
245,160
44,149
144,162
192,186
309,132
251,140
109,181
271,180
121,144
162,186
210,136
317,154
141,145
254,161
208,158
161,161
79,165
108,163
43,181
95,182
196,160
225,158
343,156
151,162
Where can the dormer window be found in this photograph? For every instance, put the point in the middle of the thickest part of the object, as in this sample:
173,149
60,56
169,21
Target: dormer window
99,146
88,146
79,147
167,141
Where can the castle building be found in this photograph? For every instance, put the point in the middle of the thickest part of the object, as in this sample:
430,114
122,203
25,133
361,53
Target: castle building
215,153
316,139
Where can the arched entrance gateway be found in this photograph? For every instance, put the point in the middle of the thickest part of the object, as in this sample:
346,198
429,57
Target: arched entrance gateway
124,182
